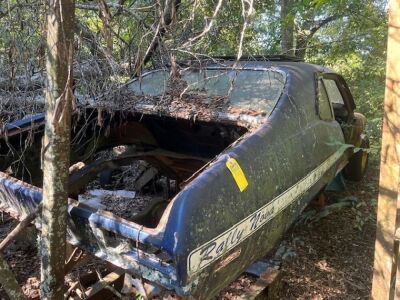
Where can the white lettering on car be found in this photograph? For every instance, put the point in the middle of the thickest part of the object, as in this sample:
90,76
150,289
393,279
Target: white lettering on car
204,255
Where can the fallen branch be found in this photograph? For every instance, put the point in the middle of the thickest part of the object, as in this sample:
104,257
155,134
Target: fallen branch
105,283
19,228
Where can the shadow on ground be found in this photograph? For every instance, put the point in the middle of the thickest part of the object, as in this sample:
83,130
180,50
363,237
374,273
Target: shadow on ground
333,258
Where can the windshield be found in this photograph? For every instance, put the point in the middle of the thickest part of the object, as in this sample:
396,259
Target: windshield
245,89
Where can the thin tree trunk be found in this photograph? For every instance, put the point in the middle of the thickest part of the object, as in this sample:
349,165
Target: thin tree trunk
12,55
56,143
301,46
8,281
287,28
105,16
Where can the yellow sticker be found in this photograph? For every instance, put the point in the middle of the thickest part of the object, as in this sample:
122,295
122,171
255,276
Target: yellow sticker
237,173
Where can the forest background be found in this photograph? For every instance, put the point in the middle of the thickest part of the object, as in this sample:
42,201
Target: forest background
116,40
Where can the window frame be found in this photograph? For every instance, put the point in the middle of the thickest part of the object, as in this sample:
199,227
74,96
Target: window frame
320,84
345,92
343,89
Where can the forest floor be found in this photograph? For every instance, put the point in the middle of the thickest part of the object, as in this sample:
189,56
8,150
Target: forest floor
329,257
333,257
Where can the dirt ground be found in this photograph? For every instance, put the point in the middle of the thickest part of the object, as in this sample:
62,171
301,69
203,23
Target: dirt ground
323,258
333,258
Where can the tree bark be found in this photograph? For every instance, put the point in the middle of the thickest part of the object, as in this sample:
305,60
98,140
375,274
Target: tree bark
56,144
287,28
386,280
105,16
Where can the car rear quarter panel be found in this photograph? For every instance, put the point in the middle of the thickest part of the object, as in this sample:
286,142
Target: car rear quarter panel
291,143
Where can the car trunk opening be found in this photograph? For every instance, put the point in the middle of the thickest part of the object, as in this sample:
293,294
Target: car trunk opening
134,148
126,163
141,162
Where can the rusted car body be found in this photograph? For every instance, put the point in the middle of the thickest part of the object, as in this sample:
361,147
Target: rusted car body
239,176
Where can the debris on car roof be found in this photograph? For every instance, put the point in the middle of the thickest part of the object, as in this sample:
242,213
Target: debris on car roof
261,58
240,96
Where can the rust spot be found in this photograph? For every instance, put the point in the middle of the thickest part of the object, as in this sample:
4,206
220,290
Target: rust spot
226,261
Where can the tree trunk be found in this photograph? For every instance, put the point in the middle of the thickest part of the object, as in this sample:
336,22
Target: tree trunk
386,280
105,16
56,143
287,27
301,46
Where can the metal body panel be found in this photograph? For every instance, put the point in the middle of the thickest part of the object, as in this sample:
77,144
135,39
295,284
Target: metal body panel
290,158
291,144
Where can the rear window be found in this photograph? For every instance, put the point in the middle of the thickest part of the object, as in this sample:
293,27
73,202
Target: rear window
246,89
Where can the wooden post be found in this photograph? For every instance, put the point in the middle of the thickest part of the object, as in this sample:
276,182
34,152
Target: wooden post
56,144
383,285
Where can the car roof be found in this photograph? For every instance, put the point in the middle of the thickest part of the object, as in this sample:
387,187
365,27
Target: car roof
299,76
285,65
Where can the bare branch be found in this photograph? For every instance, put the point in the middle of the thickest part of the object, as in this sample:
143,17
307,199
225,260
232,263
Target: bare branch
246,14
206,29
168,17
322,23
19,228
118,7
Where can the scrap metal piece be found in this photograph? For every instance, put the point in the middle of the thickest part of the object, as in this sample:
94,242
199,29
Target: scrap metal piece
259,267
103,288
145,178
267,286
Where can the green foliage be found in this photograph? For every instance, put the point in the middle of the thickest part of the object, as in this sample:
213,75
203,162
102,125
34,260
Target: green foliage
355,46
352,40
362,216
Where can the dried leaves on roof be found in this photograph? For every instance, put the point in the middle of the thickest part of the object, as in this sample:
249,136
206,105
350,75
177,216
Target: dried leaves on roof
178,102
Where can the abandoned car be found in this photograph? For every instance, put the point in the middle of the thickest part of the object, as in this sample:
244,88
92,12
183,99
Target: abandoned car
185,177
